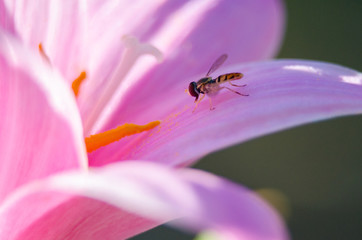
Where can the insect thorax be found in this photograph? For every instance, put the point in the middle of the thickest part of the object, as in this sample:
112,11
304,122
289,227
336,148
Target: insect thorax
204,80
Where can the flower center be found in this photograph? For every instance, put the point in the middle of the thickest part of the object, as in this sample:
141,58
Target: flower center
133,50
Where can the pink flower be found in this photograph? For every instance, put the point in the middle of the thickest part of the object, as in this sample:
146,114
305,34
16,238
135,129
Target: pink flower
51,188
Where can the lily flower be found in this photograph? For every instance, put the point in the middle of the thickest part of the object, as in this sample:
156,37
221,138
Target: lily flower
95,135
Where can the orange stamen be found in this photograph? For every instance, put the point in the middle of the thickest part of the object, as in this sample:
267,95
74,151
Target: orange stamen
77,82
102,139
42,53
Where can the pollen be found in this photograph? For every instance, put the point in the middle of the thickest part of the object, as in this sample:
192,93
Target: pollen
43,54
77,82
102,139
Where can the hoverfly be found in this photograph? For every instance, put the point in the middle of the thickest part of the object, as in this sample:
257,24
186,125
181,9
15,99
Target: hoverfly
210,87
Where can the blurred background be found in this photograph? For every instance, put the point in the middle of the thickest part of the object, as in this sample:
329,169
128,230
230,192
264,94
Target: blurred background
315,170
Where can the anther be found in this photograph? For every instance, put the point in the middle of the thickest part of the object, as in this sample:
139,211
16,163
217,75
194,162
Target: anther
77,82
102,139
43,54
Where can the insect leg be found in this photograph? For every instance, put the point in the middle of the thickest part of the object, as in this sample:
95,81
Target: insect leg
198,101
211,107
235,91
232,84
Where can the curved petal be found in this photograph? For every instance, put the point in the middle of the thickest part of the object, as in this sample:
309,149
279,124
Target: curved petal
282,94
192,35
202,200
40,127
52,215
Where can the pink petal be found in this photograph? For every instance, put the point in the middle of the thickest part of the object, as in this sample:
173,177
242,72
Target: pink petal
192,35
57,215
149,190
283,94
59,25
251,29
6,21
80,36
40,127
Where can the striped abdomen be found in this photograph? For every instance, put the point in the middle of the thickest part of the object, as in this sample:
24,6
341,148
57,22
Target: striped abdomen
228,77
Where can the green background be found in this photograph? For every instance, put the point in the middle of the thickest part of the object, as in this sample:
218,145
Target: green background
318,166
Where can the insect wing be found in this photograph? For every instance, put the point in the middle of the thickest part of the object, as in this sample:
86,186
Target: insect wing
217,64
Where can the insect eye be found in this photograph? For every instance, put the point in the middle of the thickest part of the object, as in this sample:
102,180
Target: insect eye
193,90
